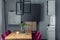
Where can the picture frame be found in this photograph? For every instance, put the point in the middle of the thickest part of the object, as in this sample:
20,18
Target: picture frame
19,8
12,18
27,7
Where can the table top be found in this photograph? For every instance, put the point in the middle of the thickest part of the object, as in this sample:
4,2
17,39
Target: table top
19,35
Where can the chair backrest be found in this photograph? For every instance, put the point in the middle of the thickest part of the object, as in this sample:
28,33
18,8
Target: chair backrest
8,32
3,36
38,36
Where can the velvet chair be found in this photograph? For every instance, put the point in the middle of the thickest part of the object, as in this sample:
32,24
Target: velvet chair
8,32
5,34
36,35
2,37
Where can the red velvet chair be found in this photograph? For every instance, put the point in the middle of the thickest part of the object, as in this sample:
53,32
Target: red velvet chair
8,32
5,34
36,35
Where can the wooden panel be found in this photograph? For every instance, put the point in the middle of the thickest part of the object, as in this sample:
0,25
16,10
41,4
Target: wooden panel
33,25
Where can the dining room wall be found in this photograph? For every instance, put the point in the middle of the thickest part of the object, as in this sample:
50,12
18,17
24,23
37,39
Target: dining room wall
11,5
44,21
44,18
0,16
2,21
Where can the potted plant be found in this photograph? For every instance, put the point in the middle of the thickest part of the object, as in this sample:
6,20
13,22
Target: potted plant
23,26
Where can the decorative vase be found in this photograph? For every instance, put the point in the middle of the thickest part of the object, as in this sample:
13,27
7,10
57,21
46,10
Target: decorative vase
22,29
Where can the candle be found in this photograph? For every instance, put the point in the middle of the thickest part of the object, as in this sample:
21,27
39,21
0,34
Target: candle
17,32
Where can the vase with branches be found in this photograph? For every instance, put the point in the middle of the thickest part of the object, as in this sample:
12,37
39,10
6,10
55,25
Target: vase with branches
22,26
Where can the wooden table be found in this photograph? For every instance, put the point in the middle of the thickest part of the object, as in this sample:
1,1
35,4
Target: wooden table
19,36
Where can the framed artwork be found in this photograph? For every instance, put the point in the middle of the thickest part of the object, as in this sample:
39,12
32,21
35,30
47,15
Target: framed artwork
23,7
19,8
27,7
13,19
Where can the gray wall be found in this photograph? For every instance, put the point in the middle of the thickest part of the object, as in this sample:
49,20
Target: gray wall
58,19
44,19
10,5
34,15
2,17
42,27
43,24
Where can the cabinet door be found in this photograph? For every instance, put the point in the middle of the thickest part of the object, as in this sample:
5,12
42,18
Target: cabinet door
51,33
51,7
